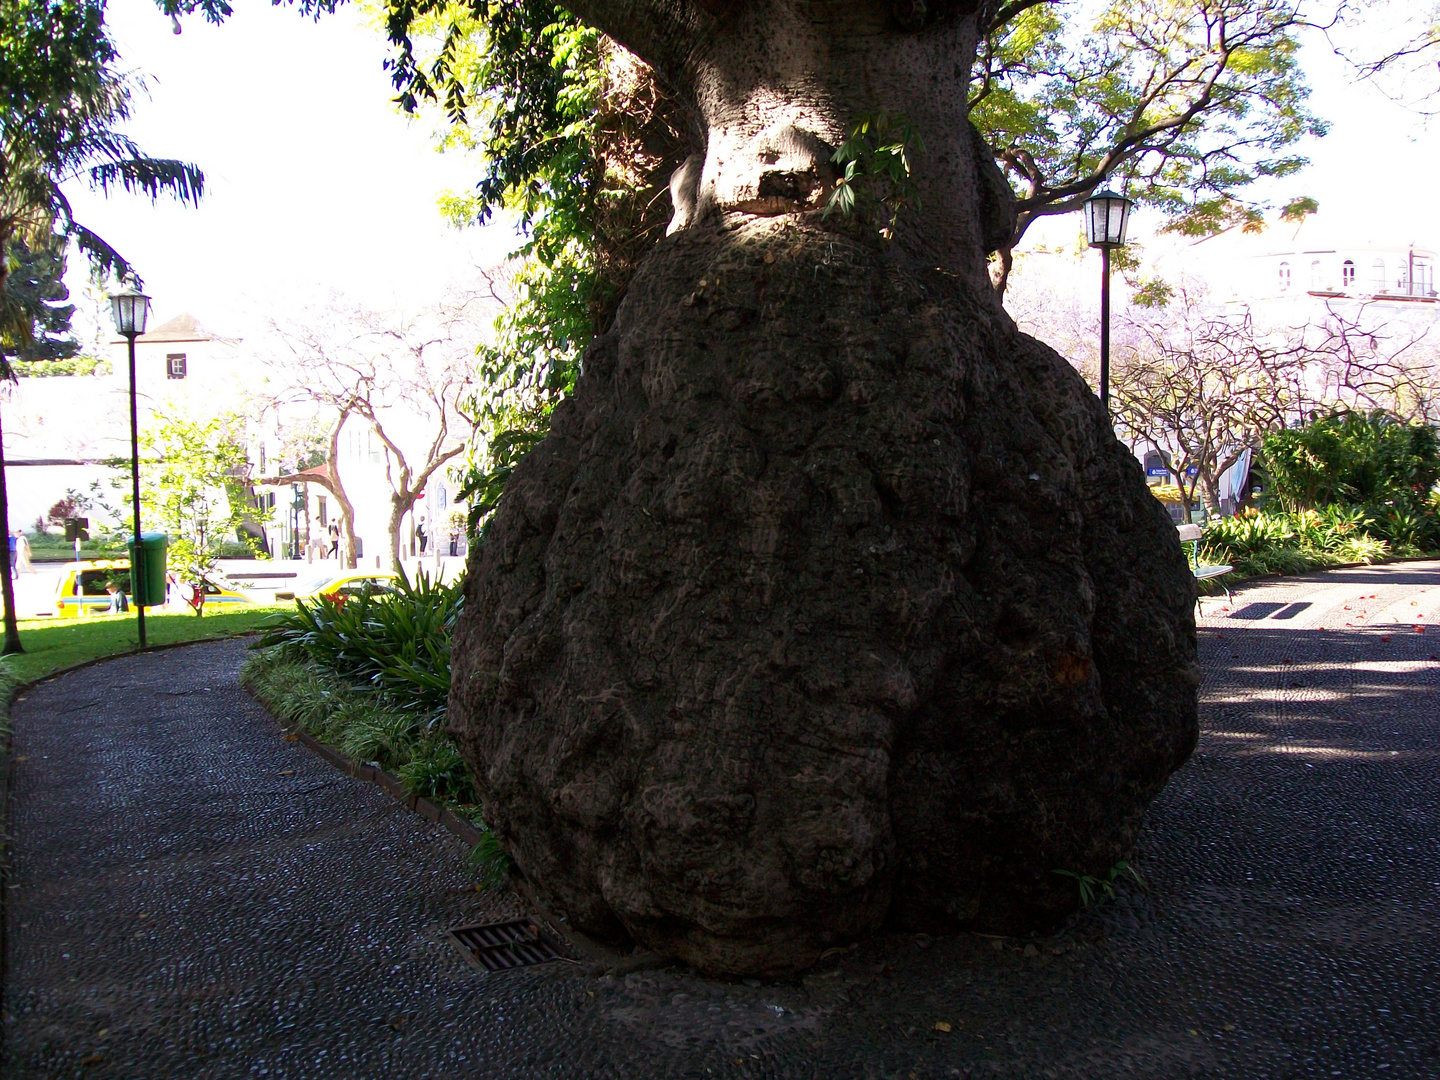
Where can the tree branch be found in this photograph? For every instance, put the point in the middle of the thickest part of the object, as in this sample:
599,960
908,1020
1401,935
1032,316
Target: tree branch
661,32
1007,12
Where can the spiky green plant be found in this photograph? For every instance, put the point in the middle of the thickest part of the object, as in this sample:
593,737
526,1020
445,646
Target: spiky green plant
396,643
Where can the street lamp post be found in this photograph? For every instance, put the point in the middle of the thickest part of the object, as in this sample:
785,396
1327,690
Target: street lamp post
297,504
130,307
1106,215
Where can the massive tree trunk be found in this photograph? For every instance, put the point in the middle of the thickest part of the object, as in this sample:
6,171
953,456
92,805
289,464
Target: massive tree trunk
831,600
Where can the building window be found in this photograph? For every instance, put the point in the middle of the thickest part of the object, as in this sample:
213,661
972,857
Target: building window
175,365
1347,273
440,496
324,520
1317,275
1377,269
1284,276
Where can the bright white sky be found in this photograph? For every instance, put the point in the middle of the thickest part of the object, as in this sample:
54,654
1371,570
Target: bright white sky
314,183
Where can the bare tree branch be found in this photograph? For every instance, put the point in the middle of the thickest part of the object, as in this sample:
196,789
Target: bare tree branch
403,376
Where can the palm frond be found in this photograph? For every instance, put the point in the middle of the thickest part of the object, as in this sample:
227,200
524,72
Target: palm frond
103,257
152,177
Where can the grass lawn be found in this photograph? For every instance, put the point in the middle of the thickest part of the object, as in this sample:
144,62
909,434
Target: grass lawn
52,644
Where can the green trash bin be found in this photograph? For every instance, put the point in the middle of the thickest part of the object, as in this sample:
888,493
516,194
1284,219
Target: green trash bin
148,586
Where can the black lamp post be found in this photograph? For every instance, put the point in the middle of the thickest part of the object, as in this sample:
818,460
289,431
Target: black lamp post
1106,215
297,504
130,307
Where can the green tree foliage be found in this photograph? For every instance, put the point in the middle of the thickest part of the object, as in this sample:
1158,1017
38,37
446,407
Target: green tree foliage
35,290
876,161
192,486
573,136
63,102
1372,459
1183,103
1186,103
79,365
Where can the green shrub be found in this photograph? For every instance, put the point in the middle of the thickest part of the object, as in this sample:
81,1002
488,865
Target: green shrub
1352,458
363,725
396,643
1247,535
1361,549
1412,528
380,735
1329,529
437,771
370,675
1279,543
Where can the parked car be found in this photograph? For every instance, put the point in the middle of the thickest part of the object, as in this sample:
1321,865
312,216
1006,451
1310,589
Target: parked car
81,588
340,585
217,590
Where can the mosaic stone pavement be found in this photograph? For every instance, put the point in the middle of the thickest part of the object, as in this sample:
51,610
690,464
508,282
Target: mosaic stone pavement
191,895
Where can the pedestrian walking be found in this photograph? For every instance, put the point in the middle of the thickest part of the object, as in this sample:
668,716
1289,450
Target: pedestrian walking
421,535
334,541
22,553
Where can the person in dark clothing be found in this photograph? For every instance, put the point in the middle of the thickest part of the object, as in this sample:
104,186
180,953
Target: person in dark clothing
334,541
119,604
421,535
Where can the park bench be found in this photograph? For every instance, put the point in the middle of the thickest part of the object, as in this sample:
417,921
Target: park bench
1190,534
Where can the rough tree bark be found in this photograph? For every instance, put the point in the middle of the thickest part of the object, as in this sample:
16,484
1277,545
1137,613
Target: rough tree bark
831,601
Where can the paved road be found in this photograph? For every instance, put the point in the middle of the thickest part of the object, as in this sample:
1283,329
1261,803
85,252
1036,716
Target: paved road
192,896
35,592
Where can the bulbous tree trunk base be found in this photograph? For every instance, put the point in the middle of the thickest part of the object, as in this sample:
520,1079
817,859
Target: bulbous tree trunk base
829,602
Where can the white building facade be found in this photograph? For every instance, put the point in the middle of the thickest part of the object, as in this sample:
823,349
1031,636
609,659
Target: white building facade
60,432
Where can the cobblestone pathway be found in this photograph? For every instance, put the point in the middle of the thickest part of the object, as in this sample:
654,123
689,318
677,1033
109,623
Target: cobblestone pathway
192,896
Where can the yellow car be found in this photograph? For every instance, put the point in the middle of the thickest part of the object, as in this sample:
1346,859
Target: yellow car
81,589
340,586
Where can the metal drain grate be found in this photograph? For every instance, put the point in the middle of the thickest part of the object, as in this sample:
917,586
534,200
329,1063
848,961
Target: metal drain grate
504,945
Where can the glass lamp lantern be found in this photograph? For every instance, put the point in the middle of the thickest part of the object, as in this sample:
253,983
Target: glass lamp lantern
129,307
1106,215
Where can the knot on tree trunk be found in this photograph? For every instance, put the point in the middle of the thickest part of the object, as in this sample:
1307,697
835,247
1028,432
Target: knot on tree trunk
782,169
830,602
909,14
998,211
